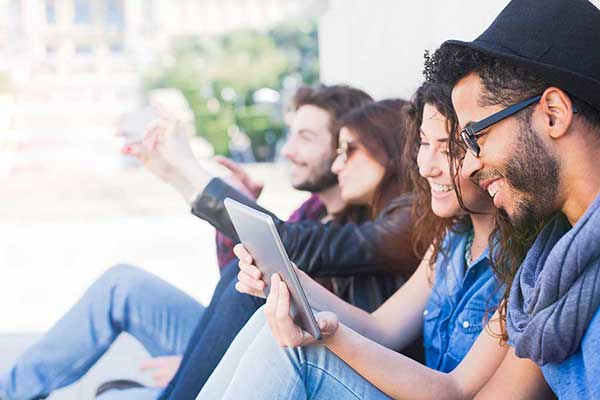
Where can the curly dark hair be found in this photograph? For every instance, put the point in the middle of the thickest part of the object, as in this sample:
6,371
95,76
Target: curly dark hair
505,83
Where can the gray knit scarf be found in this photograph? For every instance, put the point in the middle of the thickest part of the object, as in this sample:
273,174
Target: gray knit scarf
556,291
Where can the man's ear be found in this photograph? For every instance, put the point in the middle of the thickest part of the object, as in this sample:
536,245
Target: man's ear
557,109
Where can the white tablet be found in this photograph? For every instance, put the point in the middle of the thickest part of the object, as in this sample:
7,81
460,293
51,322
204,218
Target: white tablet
257,232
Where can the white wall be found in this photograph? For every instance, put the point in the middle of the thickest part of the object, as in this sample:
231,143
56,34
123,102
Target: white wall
378,45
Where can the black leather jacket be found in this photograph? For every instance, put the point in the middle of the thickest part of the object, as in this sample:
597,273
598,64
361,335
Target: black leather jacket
367,260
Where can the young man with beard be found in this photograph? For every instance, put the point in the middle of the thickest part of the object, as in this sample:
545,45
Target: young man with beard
527,97
164,319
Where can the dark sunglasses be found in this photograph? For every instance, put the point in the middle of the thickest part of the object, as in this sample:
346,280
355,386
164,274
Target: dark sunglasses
472,131
345,150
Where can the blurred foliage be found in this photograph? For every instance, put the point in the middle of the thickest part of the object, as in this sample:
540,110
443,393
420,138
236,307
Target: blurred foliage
5,82
219,76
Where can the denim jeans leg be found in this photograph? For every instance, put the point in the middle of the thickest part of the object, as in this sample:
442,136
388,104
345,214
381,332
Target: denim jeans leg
219,380
123,299
231,313
267,371
179,382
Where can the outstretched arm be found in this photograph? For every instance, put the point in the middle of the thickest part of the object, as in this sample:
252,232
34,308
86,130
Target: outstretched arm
320,249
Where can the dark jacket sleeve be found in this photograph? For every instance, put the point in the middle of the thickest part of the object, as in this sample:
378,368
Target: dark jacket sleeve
330,249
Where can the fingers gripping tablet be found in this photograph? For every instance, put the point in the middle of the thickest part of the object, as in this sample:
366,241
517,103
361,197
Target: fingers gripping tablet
258,234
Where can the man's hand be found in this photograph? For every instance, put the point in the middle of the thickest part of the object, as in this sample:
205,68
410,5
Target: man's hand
165,151
164,369
240,179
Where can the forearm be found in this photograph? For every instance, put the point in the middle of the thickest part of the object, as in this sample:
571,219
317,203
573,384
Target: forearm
191,180
377,246
516,378
319,249
395,324
342,250
209,205
393,373
350,315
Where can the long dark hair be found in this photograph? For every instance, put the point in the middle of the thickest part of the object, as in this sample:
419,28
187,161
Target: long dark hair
382,127
512,248
429,229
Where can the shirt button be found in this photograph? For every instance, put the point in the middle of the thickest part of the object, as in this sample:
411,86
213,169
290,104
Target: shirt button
466,324
425,312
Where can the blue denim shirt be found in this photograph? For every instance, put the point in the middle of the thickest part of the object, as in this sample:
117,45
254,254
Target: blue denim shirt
577,376
460,297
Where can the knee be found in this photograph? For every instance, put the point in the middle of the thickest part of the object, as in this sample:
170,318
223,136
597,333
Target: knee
120,272
121,276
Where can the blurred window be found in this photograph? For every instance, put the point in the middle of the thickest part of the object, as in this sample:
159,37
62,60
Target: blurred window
114,13
51,11
116,48
84,49
83,12
51,50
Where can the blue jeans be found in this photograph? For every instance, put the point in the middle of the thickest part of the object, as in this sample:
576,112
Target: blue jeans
256,368
225,316
123,299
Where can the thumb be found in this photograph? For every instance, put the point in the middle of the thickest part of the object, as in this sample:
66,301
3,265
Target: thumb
328,323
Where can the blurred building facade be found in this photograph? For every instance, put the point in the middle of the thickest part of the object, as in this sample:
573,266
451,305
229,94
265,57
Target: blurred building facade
378,45
73,59
85,57
385,55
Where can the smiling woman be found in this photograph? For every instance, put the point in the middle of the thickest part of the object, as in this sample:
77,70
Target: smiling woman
450,299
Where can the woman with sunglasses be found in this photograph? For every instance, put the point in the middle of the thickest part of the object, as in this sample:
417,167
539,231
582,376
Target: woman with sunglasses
450,299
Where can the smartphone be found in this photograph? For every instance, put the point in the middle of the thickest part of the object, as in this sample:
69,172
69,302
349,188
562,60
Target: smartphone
134,125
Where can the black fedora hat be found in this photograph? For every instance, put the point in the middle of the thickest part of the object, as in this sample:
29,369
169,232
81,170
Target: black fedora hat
559,40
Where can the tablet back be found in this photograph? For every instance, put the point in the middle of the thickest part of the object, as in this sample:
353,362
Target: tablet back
258,234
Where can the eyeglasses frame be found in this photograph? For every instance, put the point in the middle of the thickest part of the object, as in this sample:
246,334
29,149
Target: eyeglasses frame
470,133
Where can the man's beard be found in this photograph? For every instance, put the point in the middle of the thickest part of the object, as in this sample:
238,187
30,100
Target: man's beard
322,179
533,172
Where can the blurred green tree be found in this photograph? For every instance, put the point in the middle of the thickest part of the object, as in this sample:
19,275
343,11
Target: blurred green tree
5,82
220,75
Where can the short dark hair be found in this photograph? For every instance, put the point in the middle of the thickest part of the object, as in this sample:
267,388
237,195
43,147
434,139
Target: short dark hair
504,82
337,100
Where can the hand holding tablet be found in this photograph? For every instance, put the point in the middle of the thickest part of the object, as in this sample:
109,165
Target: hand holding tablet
259,236
284,330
